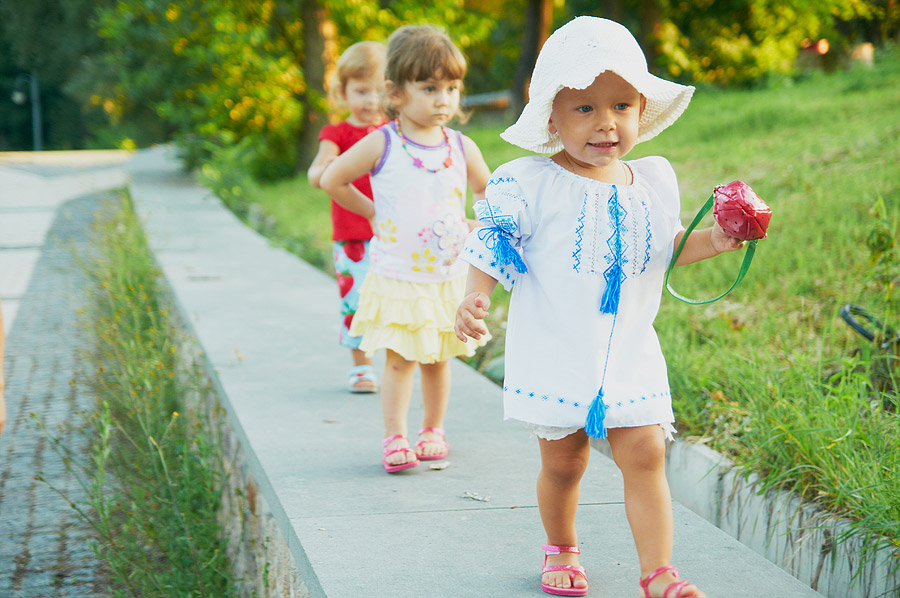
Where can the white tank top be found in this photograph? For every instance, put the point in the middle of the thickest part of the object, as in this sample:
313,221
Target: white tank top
420,226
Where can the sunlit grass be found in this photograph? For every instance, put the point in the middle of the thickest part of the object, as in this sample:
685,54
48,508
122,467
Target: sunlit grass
154,475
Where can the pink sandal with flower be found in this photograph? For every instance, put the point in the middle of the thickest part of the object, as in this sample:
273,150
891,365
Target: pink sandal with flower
388,452
676,586
424,441
550,549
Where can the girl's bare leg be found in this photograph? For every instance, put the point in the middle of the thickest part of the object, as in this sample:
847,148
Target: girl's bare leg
359,357
435,396
563,463
640,454
396,392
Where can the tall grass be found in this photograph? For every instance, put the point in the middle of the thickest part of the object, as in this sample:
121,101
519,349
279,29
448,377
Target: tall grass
770,375
154,477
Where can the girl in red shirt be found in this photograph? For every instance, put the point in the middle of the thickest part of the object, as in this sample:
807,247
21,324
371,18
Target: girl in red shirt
357,86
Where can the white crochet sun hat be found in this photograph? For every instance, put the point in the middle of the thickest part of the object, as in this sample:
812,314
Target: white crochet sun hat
573,56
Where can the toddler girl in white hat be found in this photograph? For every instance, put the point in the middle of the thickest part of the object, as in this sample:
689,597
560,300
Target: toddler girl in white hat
583,238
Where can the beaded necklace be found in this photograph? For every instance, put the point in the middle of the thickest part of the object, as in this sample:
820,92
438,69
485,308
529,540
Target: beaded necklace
416,161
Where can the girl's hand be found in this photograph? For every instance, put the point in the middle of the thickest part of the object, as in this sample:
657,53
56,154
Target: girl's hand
722,242
374,226
472,310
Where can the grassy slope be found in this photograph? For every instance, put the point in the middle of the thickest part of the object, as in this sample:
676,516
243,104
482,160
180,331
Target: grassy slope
770,374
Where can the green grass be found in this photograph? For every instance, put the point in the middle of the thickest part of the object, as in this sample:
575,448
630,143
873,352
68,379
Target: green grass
154,475
770,375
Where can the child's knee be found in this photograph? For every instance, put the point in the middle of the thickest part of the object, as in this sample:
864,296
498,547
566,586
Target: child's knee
641,451
398,363
569,468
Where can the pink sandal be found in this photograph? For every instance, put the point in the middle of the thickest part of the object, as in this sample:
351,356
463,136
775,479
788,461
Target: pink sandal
441,440
388,452
550,549
677,586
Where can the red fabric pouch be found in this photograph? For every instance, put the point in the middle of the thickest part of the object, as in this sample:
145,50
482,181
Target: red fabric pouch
740,211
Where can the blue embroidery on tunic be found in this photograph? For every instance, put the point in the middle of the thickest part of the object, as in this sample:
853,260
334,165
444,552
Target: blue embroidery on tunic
484,212
499,180
615,272
579,232
649,235
616,242
545,398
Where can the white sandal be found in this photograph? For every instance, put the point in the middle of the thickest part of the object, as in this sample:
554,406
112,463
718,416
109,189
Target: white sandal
362,373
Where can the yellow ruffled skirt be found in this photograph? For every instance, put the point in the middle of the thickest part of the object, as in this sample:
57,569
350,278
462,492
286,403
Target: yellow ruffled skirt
413,319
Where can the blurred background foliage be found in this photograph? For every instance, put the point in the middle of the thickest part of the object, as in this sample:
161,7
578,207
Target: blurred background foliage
249,78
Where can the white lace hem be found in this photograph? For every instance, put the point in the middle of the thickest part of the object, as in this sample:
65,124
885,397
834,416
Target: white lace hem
558,433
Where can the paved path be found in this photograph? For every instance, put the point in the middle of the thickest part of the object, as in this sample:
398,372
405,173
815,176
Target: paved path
44,549
267,324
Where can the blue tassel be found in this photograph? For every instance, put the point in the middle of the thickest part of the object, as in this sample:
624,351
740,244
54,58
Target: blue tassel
497,240
594,425
609,302
506,254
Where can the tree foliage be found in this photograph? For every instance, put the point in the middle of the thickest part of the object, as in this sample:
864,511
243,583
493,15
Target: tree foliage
733,41
222,73
250,77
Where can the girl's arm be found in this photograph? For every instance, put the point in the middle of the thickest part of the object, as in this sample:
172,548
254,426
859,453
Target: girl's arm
349,166
474,308
476,169
706,243
478,174
328,151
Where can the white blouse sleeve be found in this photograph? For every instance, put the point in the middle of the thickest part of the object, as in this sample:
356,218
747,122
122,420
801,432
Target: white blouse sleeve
497,247
662,179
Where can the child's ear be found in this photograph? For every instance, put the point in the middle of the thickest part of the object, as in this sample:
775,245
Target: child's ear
551,127
393,92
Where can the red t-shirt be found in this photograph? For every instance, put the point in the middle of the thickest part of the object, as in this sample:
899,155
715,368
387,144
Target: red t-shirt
347,225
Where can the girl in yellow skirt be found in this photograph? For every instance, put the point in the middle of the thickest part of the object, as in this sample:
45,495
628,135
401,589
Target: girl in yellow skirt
419,170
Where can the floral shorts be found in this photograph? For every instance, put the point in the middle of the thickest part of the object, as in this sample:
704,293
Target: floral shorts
351,262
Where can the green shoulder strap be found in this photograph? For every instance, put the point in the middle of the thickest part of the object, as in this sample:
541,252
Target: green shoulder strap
745,265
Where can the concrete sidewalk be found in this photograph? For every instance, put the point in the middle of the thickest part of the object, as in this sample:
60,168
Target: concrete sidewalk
268,324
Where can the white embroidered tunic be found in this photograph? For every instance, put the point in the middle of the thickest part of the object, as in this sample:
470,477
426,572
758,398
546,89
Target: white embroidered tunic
419,214
560,348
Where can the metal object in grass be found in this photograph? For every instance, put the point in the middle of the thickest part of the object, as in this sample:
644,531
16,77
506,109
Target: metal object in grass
884,373
882,335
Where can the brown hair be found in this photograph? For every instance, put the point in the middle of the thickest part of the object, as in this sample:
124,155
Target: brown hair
420,52
360,61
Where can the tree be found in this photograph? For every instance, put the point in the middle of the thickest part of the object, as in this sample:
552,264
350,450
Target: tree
538,20
316,60
25,27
